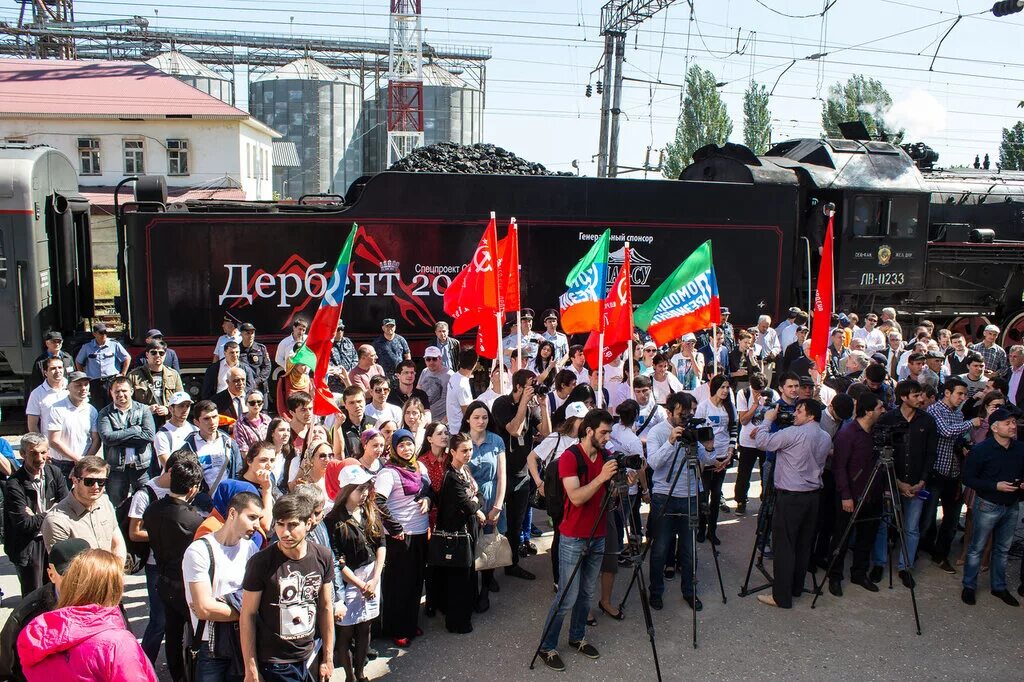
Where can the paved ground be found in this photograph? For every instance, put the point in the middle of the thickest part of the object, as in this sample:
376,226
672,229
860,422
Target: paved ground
862,636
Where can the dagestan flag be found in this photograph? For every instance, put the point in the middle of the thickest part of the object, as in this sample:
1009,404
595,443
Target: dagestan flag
823,302
581,304
315,353
618,319
685,302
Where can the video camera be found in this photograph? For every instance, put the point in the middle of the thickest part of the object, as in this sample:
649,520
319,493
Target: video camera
888,440
696,431
619,484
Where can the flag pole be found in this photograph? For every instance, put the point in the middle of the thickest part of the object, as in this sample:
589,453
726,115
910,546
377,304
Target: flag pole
629,364
600,364
714,344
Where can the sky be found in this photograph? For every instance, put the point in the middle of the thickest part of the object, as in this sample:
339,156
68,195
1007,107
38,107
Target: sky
545,50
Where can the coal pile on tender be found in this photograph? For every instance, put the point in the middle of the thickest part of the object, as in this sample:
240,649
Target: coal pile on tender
487,159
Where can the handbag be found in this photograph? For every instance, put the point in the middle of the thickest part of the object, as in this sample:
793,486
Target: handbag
449,549
492,551
537,500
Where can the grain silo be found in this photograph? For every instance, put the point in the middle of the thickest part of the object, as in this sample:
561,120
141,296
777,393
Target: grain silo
199,76
452,112
317,109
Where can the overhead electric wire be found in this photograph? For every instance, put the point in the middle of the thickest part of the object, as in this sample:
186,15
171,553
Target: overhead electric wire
829,6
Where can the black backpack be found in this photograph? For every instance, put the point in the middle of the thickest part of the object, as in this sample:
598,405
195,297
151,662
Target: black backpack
138,552
554,491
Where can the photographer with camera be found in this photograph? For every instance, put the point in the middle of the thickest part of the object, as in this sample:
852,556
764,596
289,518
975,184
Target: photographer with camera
751,404
912,433
584,470
800,454
719,413
853,457
669,516
518,420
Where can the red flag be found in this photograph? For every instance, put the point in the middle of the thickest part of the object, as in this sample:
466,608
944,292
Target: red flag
487,337
617,319
476,287
823,302
508,269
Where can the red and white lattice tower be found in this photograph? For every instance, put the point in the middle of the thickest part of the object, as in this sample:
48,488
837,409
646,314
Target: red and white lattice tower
405,79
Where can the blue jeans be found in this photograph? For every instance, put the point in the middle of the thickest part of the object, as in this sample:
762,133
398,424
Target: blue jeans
154,633
913,507
122,483
210,669
996,520
673,523
579,592
880,552
284,672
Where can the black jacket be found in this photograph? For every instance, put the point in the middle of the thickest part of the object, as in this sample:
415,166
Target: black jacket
226,404
21,528
456,508
171,524
210,379
914,451
34,603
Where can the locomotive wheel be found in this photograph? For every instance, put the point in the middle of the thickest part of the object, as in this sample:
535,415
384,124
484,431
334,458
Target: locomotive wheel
1013,330
971,326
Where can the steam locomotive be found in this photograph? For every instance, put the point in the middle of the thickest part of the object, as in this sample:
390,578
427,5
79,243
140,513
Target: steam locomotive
937,244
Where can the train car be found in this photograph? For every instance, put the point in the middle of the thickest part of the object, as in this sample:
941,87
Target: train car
45,257
184,267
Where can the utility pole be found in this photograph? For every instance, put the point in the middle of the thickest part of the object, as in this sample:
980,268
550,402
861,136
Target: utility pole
617,17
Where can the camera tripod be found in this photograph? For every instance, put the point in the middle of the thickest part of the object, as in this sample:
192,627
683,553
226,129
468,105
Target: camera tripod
691,463
632,534
884,464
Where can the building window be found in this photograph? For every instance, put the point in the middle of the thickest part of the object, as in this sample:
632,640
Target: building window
89,155
133,157
177,157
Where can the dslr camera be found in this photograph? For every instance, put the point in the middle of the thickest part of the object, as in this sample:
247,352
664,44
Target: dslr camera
541,390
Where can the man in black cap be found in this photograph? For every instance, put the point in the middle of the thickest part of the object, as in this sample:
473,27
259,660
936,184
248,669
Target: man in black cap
256,355
391,348
525,338
102,359
31,492
551,333
344,357
727,331
170,357
54,343
39,601
229,323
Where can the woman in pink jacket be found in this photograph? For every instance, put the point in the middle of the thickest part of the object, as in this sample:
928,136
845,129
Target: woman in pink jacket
85,639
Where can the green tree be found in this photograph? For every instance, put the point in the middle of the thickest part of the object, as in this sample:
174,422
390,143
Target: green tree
1011,151
703,120
859,99
757,119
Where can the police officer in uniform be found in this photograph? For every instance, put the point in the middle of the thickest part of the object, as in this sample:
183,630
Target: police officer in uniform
255,354
101,359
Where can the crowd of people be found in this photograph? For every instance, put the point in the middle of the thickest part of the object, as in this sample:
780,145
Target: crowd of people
277,545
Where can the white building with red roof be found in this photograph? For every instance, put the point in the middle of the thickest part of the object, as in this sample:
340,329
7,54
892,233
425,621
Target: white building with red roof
118,119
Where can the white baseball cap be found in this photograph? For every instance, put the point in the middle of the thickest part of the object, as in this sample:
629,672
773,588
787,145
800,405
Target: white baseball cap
651,344
432,352
354,474
576,409
992,328
180,397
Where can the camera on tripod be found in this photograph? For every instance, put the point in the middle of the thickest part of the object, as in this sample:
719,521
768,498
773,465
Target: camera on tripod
696,431
619,484
888,440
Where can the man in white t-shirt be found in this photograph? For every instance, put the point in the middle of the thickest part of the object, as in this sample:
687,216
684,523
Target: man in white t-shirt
651,413
46,394
748,401
218,600
578,364
154,490
171,436
72,426
459,394
379,409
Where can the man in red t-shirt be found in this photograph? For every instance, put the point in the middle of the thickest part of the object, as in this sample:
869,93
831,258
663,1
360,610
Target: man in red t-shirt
584,470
